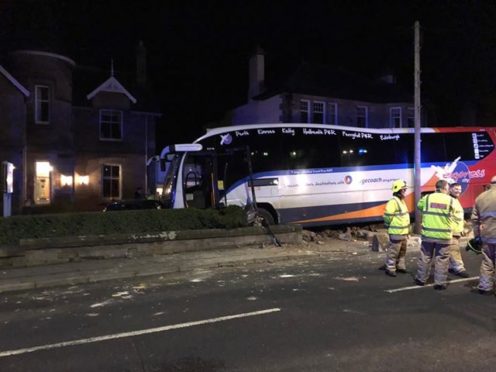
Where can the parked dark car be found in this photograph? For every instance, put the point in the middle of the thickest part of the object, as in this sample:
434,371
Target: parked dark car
121,205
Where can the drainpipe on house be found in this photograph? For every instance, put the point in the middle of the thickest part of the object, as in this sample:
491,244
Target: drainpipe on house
146,154
24,192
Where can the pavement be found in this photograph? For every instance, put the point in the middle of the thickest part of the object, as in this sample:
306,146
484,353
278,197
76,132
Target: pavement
96,270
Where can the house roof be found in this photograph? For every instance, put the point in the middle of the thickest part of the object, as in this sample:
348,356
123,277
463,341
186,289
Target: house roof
111,85
326,81
87,82
14,82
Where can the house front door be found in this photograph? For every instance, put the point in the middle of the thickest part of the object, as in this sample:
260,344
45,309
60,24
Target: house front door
42,183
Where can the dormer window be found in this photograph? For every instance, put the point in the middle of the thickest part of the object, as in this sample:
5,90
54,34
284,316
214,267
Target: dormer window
42,104
110,125
318,112
395,117
362,116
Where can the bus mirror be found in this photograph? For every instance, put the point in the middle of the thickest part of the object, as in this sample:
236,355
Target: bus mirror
180,147
188,147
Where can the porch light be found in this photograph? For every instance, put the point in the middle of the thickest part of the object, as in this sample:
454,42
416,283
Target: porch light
83,180
65,180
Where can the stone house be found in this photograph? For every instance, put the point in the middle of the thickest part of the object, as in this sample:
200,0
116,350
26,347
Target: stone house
77,138
320,94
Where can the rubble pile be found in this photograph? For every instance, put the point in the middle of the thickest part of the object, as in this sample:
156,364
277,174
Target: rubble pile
352,233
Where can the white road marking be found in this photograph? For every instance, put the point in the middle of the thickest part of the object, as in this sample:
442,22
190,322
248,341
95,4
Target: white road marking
430,285
135,333
347,279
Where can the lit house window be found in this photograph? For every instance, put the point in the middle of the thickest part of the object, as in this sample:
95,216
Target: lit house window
110,125
362,116
318,112
42,104
333,113
304,111
395,117
111,181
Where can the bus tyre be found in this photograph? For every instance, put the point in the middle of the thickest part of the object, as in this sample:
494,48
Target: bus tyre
265,216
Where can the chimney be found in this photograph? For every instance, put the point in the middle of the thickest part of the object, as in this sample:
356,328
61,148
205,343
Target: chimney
256,73
141,64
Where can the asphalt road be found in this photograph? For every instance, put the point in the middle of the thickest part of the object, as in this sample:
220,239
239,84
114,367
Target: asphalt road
336,312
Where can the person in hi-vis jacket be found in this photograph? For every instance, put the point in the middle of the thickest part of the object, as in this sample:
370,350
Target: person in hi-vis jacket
438,216
397,221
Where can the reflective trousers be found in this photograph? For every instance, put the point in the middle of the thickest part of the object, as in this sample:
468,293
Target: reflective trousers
455,260
486,277
440,253
395,256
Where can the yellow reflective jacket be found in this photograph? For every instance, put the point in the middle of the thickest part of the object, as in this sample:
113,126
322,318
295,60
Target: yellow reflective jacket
437,217
396,217
459,221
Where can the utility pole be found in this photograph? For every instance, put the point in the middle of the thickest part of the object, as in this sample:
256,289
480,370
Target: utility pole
417,115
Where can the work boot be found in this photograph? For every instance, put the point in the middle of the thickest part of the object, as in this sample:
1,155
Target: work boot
461,274
439,287
484,293
419,282
390,273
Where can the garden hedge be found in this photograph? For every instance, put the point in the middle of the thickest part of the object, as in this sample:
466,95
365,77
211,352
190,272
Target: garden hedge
133,221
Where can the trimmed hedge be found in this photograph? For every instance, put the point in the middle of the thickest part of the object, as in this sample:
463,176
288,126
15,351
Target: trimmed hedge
12,229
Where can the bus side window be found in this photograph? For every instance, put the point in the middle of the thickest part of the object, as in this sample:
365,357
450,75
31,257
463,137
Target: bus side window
362,152
232,169
266,154
310,152
433,148
462,145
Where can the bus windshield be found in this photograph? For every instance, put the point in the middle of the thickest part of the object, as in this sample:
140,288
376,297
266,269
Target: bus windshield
169,185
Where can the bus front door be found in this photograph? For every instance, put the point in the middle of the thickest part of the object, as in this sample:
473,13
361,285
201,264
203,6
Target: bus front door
200,181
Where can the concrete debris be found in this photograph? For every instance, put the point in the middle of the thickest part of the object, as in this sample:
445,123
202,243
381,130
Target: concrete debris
346,235
353,233
309,236
414,243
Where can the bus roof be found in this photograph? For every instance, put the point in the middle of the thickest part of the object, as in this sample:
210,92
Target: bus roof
215,131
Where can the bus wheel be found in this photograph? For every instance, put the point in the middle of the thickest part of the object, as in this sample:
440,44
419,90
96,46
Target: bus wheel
265,216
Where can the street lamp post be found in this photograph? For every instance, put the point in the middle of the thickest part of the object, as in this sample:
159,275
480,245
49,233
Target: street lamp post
417,139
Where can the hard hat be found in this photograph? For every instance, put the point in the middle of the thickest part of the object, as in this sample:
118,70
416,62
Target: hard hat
474,245
398,185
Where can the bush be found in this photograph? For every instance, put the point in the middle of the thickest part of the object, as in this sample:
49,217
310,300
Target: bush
133,221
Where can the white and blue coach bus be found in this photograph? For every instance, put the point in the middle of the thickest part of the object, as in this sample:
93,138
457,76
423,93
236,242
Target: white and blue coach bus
320,174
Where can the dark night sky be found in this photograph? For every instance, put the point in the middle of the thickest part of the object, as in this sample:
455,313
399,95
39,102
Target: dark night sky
198,50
